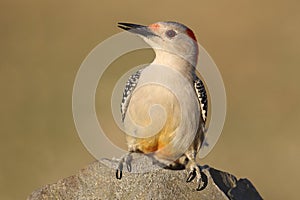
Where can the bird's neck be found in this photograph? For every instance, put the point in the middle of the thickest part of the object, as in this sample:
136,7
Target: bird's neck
184,66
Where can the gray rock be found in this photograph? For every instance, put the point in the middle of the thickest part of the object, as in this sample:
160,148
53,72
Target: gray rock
147,181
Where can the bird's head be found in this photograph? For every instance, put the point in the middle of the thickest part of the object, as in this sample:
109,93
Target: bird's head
171,37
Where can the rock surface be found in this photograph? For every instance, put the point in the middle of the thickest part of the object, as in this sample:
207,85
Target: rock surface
98,181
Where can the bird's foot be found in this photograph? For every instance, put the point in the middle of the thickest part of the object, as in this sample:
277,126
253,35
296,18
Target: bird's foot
127,160
195,172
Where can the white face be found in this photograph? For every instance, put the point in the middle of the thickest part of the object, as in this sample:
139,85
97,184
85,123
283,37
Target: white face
172,38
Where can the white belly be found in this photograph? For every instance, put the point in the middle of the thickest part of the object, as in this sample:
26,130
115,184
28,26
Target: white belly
169,129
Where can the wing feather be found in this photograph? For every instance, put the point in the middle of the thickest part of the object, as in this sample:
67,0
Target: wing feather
202,96
128,90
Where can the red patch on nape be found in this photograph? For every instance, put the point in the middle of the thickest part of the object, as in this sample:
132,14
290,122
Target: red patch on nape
154,26
190,33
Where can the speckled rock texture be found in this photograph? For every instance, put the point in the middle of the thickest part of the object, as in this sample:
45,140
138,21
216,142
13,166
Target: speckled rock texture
98,181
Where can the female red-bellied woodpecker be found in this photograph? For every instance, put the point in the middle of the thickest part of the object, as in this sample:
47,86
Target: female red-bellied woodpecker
170,81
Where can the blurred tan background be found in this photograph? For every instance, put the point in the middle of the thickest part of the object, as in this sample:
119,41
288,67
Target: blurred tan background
255,44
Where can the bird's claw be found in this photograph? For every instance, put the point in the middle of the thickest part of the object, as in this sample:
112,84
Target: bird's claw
127,159
118,174
200,186
191,176
195,172
119,169
128,162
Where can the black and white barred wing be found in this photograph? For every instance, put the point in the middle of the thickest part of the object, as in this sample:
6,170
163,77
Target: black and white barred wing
202,97
128,90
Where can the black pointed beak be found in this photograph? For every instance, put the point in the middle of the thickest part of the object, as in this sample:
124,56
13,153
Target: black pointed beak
137,29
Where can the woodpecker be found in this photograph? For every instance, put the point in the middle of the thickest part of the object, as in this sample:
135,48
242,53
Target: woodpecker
177,142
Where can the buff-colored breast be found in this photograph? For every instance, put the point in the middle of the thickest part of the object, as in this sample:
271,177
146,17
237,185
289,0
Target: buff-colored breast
139,107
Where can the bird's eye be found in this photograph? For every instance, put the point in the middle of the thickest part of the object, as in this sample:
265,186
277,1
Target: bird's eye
171,33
